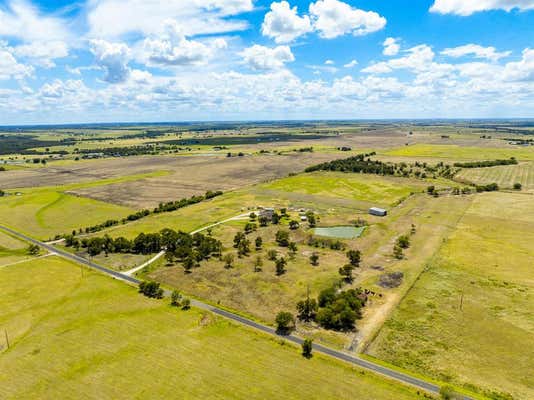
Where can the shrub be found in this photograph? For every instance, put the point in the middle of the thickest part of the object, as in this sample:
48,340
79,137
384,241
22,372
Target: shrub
151,289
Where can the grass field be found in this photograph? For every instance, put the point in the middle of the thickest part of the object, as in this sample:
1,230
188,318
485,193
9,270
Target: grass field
469,318
456,152
92,337
43,213
11,250
506,175
367,188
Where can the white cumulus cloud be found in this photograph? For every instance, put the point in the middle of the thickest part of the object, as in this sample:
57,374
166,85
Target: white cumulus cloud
283,24
114,18
113,58
477,51
266,58
333,18
173,48
391,47
468,7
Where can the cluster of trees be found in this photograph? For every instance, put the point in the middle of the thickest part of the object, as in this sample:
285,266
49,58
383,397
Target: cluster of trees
346,271
33,250
359,163
153,290
491,187
175,205
325,243
147,149
402,243
190,249
486,164
2,169
333,309
162,207
2,193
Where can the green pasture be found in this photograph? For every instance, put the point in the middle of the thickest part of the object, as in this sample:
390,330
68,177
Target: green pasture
468,319
359,187
73,334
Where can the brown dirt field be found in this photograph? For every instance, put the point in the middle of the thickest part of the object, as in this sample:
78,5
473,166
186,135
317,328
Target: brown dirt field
196,175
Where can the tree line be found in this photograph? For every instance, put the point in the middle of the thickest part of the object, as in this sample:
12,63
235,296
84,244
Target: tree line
162,207
178,245
486,164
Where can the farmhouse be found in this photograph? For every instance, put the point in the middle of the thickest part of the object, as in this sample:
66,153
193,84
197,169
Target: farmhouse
267,212
379,212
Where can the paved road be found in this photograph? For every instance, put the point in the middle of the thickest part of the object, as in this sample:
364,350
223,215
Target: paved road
365,364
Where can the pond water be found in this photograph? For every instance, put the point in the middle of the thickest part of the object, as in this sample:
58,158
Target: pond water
340,232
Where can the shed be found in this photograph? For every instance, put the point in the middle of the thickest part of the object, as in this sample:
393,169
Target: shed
379,212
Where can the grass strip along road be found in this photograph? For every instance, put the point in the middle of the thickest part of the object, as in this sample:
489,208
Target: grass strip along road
365,364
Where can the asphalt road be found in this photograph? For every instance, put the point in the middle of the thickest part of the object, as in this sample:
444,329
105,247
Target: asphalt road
365,364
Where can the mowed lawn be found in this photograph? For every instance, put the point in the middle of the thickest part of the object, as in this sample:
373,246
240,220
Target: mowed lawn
44,213
469,318
92,337
455,152
505,175
384,191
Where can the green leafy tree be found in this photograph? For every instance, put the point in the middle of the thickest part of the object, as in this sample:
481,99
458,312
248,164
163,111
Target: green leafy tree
312,221
285,323
238,238
282,238
186,304
403,241
33,250
280,265
307,348
151,289
272,255
292,247
397,252
243,249
314,259
346,272
354,257
294,225
228,260
275,219
259,243
258,264
176,298
307,309
264,221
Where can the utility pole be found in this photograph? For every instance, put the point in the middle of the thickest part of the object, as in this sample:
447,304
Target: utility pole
7,338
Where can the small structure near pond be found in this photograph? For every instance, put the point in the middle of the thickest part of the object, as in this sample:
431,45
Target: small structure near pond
379,212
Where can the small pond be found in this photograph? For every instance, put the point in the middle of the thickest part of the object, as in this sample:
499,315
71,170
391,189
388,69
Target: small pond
340,232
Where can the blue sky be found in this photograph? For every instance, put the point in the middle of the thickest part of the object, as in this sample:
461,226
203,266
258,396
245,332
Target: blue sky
154,60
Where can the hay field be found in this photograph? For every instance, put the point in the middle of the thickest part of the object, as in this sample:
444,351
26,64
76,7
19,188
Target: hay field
505,175
469,319
93,337
371,189
456,152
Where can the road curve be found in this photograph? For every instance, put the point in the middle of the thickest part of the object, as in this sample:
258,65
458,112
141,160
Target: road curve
365,364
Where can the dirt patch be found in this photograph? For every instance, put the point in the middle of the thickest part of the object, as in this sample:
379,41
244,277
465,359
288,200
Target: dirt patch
391,280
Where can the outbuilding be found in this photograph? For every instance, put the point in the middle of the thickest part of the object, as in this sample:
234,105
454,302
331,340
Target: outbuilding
379,212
